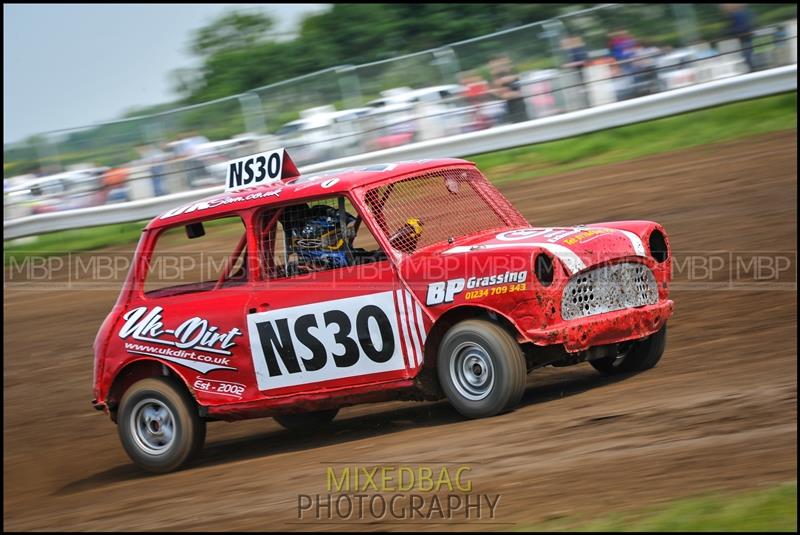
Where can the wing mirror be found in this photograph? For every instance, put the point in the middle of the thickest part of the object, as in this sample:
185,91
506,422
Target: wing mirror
195,230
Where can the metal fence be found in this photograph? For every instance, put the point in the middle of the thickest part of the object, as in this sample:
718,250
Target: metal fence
732,89
581,59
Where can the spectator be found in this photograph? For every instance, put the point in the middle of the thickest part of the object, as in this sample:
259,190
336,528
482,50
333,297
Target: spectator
476,89
190,145
113,185
197,143
622,45
623,48
645,76
476,93
507,86
740,26
191,150
575,50
576,54
181,146
155,160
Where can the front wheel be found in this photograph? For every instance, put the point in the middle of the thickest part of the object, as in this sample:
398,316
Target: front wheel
159,426
643,355
481,368
306,421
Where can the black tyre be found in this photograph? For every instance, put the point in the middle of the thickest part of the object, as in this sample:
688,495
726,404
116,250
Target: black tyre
481,368
159,426
306,421
643,355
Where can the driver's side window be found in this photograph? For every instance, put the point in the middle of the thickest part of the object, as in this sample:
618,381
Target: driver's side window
198,257
314,236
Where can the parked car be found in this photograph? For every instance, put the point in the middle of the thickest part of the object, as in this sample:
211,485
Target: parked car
404,95
403,115
77,188
412,280
322,133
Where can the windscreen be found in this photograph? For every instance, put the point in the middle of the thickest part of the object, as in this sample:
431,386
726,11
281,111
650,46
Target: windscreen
433,207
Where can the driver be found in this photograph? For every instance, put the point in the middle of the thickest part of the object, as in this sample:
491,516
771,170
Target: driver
316,237
320,238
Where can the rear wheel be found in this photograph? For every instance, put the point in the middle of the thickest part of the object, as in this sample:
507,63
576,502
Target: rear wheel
641,356
159,426
481,368
306,421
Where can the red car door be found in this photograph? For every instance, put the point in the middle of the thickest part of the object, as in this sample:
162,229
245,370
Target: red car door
330,329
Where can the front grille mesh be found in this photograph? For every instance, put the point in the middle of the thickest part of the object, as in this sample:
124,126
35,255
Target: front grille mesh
608,288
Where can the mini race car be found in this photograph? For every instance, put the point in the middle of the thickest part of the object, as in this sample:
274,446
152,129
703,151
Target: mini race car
413,280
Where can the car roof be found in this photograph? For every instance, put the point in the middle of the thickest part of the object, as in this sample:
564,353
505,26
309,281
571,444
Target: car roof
39,180
393,107
298,189
323,118
409,95
436,89
224,143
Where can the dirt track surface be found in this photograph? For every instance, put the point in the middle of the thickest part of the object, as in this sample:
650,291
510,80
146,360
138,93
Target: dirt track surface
717,414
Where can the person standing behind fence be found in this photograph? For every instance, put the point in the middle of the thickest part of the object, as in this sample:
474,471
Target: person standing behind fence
154,159
576,54
623,48
113,185
621,45
507,86
740,26
476,91
190,150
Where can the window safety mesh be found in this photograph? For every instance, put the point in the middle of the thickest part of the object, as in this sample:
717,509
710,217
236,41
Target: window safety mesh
433,207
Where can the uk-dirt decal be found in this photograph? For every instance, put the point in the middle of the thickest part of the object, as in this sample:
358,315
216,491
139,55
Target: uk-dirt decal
325,340
188,344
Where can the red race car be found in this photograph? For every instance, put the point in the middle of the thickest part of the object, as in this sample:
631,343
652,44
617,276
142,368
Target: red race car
291,296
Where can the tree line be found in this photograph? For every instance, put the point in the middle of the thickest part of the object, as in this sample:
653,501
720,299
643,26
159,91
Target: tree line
238,52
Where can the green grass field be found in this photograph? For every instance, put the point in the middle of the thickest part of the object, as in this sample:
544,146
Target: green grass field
722,123
772,509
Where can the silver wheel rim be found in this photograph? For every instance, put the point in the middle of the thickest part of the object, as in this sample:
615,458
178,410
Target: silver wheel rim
472,371
152,426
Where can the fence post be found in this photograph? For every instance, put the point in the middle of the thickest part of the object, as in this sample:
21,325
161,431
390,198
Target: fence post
447,62
790,28
349,86
554,33
685,23
153,131
253,113
47,149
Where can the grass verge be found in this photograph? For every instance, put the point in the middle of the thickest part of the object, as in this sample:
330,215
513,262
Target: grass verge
772,509
85,239
722,123
712,125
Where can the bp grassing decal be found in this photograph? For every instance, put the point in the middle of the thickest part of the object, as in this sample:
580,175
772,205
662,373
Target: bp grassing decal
328,340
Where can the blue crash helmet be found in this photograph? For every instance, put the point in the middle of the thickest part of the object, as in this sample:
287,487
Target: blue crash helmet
315,235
